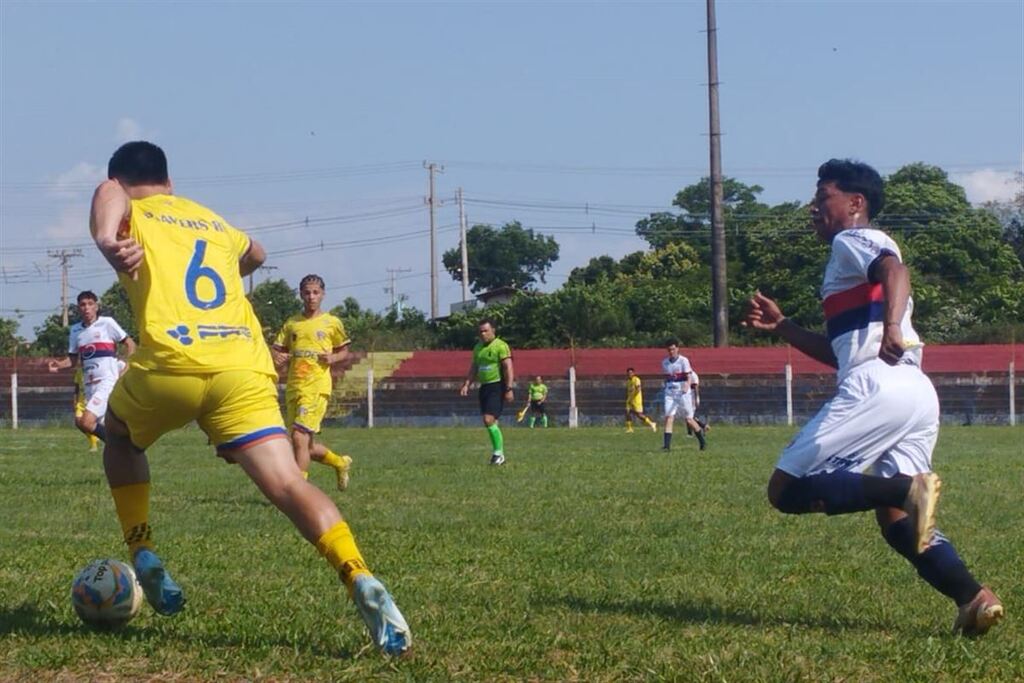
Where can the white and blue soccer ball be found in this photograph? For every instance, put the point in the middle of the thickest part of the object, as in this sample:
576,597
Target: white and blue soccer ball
106,594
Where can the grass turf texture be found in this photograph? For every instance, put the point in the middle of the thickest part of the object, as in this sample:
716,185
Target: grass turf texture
590,556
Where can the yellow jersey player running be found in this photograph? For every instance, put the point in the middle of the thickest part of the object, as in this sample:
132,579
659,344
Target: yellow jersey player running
79,381
202,357
310,342
635,402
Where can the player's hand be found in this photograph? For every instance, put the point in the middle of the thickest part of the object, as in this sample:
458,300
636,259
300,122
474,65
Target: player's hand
53,365
124,255
280,357
464,391
892,346
509,395
324,358
763,313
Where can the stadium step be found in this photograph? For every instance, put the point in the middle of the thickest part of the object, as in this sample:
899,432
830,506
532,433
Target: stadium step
350,389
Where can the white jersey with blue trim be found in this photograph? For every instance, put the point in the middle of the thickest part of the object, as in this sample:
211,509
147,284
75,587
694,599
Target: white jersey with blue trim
855,305
677,374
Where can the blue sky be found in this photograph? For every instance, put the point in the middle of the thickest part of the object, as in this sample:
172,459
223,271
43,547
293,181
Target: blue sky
565,116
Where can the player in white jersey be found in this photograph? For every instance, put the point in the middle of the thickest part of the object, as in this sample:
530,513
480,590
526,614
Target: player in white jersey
870,446
677,395
693,402
93,344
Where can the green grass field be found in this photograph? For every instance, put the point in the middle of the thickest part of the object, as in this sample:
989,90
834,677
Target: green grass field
590,556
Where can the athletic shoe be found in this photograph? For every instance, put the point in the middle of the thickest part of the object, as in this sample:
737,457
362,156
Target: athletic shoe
629,430
979,615
343,472
497,459
380,614
162,593
654,426
920,505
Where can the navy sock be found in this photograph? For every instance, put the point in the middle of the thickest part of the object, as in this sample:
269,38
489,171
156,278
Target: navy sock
838,493
99,432
666,439
939,564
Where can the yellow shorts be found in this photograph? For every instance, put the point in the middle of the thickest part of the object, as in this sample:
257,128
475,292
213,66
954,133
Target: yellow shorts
636,406
236,408
306,410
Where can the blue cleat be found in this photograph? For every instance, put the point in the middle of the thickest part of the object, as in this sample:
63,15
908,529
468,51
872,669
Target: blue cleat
161,592
380,614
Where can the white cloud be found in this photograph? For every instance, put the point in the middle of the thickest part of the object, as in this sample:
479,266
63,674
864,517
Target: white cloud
72,226
989,185
81,178
128,129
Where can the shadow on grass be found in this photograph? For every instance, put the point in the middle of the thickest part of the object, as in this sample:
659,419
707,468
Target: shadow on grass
699,613
28,620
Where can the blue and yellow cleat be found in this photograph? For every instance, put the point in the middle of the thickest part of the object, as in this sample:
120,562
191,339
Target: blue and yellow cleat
162,593
387,626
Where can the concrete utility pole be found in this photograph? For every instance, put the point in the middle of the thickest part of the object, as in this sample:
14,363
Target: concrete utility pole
433,168
390,289
720,292
462,243
64,255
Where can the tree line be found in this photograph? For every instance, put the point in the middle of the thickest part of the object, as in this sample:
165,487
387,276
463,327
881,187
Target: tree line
966,262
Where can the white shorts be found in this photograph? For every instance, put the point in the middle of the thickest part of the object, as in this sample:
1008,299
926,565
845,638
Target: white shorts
678,401
96,396
883,419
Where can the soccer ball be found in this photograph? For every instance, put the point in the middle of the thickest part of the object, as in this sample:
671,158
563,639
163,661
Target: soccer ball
106,594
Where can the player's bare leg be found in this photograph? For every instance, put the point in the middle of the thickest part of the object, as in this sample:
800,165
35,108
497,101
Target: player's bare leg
629,421
89,425
301,444
978,608
127,470
272,467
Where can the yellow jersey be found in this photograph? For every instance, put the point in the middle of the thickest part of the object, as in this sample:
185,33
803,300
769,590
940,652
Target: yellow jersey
633,388
306,338
189,300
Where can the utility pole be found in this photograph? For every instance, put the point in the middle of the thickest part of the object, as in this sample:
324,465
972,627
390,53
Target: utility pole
465,251
64,256
720,293
392,276
254,272
433,168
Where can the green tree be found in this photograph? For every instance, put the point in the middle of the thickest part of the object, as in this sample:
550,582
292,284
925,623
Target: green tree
9,338
509,257
52,335
114,303
274,302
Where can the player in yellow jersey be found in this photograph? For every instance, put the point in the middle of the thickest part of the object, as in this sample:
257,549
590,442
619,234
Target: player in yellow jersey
80,408
635,402
202,357
311,342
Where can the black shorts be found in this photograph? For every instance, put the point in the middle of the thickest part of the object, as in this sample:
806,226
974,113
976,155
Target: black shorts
537,407
492,399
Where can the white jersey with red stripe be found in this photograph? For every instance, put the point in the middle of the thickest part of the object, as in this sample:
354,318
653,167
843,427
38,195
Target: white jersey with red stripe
855,304
96,346
677,374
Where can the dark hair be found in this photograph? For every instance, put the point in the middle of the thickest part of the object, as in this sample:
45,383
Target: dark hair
86,294
855,177
630,370
671,342
312,278
138,163
486,321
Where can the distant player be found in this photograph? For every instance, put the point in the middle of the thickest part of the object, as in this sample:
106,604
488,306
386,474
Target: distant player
92,345
635,402
311,342
202,357
884,418
492,369
677,395
79,404
693,400
538,393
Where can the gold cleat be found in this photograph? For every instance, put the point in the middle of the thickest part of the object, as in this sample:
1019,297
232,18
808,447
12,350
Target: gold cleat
979,615
343,472
920,505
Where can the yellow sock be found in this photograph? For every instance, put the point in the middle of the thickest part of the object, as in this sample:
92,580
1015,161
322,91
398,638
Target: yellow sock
132,504
93,440
339,548
305,475
649,421
334,460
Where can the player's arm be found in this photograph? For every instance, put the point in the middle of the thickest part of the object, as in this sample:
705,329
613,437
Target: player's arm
252,258
508,376
765,315
895,280
110,208
338,354
65,362
464,390
129,346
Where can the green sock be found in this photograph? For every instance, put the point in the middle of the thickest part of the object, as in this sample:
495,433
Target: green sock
497,442
532,421
544,420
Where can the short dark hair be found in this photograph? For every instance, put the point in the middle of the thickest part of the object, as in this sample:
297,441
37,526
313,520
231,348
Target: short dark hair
86,294
312,277
487,321
630,370
671,342
855,177
138,163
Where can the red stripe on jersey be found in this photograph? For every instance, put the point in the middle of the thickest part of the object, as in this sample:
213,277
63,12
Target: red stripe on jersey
102,346
855,297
